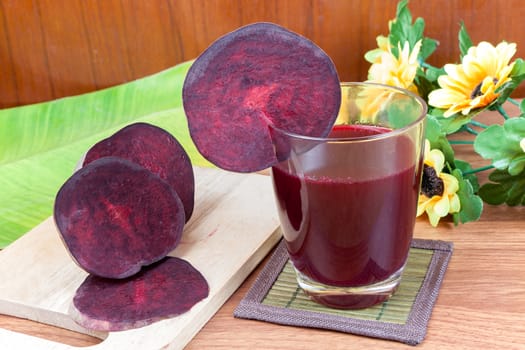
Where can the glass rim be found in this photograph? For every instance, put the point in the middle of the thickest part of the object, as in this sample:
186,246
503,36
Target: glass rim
391,133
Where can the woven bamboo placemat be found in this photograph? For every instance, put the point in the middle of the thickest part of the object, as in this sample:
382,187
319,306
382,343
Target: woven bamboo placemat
275,297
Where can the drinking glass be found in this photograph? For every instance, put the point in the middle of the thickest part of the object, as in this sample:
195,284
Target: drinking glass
347,202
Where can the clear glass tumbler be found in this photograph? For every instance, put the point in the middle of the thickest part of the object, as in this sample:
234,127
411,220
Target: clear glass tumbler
347,203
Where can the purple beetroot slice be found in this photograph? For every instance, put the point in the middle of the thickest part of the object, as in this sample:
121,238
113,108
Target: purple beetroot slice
156,150
258,75
115,216
159,291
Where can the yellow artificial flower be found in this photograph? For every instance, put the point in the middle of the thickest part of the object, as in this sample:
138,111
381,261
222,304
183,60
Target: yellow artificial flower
473,83
438,196
396,71
383,45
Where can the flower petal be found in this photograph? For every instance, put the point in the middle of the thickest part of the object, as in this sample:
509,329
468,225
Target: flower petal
423,203
455,204
436,159
395,71
433,217
472,84
450,182
442,206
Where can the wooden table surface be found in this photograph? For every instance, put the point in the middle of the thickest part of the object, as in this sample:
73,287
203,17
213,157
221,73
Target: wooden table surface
481,304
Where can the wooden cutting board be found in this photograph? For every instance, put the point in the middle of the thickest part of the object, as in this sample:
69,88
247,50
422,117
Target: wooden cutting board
234,225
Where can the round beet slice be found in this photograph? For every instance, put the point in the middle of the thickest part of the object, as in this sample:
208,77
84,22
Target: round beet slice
258,75
156,150
162,290
115,216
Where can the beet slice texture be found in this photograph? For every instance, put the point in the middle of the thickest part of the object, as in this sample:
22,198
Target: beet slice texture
162,290
156,150
115,216
258,75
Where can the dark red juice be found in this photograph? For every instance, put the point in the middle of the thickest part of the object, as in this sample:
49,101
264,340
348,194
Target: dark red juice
348,214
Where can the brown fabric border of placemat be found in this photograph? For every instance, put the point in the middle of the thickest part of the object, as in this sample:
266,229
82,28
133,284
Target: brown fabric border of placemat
412,332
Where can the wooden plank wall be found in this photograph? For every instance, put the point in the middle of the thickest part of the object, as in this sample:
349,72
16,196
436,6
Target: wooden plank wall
55,48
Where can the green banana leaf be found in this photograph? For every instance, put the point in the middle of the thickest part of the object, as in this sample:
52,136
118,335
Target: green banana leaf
41,144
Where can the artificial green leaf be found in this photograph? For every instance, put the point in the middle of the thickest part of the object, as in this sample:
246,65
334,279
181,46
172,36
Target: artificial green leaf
515,130
437,139
40,144
428,46
400,113
506,90
504,188
402,30
454,123
500,176
433,129
519,68
424,84
464,40
517,76
418,28
403,16
416,32
466,170
433,73
516,193
471,204
517,164
491,144
501,143
494,194
400,27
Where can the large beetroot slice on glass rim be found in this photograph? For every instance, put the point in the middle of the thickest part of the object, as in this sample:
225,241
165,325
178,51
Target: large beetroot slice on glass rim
258,75
115,216
165,289
156,150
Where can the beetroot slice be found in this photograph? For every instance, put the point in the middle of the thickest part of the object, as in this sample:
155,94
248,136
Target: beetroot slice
162,290
156,150
115,216
258,75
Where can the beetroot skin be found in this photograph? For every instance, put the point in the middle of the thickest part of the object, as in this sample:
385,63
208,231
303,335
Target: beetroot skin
258,75
162,290
156,150
115,216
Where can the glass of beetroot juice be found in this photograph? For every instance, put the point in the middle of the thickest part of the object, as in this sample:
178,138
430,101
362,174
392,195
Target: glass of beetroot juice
347,203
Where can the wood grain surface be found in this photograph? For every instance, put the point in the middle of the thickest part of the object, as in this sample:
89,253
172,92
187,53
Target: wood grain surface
481,304
226,237
52,48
